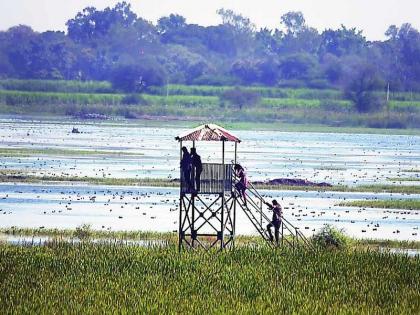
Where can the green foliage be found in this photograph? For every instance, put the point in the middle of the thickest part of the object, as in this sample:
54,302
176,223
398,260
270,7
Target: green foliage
66,86
132,78
407,204
326,107
133,99
233,52
241,98
94,278
364,80
330,237
83,232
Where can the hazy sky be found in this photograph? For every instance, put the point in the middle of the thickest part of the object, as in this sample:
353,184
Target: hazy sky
373,16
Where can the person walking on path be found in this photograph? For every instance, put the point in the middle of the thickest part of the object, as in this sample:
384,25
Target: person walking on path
242,184
276,220
186,168
197,167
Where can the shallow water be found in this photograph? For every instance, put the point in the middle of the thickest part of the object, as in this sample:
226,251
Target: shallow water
335,158
152,208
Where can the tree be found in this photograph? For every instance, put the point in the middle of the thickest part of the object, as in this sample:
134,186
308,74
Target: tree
298,37
132,78
91,24
240,97
297,66
240,27
171,23
246,71
342,42
363,81
294,22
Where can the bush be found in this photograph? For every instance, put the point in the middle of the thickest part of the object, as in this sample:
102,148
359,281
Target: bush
133,99
241,97
83,232
137,77
215,80
329,237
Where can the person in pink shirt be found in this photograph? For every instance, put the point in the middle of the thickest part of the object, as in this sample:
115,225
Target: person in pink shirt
242,183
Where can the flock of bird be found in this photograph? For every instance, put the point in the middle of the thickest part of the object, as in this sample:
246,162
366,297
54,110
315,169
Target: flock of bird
264,158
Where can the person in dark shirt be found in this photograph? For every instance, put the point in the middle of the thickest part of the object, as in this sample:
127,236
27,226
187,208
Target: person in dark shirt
276,220
197,168
242,183
186,168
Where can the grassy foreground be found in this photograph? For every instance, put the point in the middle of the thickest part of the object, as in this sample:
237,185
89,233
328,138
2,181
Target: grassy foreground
89,278
87,233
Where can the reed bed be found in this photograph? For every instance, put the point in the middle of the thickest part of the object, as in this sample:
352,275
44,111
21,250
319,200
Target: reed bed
406,204
67,86
23,176
98,278
293,106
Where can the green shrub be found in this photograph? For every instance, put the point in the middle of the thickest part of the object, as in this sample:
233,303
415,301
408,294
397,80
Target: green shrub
240,97
83,232
330,237
133,99
67,86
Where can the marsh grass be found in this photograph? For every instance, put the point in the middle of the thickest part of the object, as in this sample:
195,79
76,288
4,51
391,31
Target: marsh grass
411,170
407,204
296,106
66,86
94,278
97,234
404,179
24,152
24,177
172,237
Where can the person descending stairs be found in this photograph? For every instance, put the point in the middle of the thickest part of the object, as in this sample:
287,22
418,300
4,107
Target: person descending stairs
252,204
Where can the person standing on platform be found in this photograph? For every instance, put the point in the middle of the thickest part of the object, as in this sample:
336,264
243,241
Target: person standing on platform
197,168
186,169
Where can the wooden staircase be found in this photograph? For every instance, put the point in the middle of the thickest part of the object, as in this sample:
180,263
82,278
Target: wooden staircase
259,215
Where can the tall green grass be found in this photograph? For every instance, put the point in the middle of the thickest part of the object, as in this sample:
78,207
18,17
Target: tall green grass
407,204
269,92
295,106
66,86
23,98
89,278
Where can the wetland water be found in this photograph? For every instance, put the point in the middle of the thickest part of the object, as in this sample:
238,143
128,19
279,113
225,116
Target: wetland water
351,159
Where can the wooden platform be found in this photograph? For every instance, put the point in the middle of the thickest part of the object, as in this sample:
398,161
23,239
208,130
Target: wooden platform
215,179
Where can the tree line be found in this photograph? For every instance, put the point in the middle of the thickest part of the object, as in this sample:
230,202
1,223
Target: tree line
116,45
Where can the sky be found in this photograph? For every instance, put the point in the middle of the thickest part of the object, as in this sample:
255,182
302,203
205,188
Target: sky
371,16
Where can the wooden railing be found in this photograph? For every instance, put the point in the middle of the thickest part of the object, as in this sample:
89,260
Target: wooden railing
257,212
215,179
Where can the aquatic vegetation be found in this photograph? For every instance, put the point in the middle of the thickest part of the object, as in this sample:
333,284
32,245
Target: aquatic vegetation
325,107
24,177
407,204
83,232
411,170
172,237
330,237
12,152
67,86
93,278
97,234
404,179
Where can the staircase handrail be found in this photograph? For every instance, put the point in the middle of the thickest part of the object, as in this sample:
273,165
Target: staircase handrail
294,231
